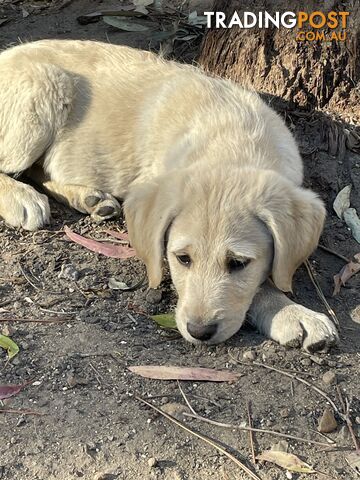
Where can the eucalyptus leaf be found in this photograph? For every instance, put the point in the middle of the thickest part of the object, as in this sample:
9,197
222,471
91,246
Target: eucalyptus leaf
128,25
9,345
165,320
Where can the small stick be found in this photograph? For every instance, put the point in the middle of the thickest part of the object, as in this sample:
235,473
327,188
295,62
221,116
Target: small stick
21,412
333,252
185,398
202,437
295,377
346,407
251,437
320,293
259,430
24,320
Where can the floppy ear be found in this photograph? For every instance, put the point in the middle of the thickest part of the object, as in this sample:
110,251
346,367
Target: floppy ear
295,217
149,209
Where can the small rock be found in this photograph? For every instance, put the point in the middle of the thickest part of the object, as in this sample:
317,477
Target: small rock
329,378
285,412
249,355
7,331
154,296
317,360
73,380
175,409
21,422
327,422
152,462
281,446
69,272
357,420
306,362
105,476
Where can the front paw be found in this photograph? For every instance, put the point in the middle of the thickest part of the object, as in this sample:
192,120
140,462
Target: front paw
300,326
22,206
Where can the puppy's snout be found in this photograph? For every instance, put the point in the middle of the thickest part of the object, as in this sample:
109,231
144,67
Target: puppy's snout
202,332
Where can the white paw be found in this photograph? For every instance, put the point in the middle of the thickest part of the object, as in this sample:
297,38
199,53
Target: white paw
24,207
296,325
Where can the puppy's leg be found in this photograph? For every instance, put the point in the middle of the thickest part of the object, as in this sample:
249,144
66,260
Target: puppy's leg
34,104
291,324
99,205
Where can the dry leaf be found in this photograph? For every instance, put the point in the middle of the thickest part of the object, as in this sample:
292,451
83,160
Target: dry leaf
158,372
346,273
7,391
113,251
286,460
342,201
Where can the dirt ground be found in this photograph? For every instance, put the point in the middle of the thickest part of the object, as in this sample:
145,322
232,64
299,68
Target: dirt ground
88,423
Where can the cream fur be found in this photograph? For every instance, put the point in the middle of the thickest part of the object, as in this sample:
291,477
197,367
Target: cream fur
197,159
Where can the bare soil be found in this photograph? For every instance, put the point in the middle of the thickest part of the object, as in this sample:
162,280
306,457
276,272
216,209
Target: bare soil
88,423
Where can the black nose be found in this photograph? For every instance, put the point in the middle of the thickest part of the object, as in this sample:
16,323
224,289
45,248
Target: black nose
201,331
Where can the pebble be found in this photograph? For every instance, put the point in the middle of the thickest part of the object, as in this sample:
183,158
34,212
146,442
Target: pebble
249,355
329,378
357,420
317,360
285,412
7,331
327,422
152,462
175,409
69,272
154,296
105,476
306,362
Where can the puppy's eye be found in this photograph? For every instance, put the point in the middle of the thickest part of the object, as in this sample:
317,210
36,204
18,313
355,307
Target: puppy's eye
184,260
235,265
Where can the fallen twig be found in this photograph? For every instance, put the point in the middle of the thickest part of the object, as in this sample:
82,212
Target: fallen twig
21,412
251,434
346,416
258,430
186,399
291,375
202,437
333,252
320,293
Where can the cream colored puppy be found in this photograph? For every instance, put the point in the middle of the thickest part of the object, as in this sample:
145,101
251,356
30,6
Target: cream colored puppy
210,175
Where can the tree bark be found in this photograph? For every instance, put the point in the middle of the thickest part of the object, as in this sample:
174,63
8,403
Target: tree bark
311,74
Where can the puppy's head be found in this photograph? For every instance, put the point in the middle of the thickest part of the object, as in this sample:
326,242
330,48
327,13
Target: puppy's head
226,233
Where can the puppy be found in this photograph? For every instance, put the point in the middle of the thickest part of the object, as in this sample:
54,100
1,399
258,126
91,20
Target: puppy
200,162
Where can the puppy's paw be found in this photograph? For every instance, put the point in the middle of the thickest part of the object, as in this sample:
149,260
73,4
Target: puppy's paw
102,206
24,207
300,326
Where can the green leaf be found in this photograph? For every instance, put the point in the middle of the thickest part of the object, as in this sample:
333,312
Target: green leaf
127,25
10,346
165,320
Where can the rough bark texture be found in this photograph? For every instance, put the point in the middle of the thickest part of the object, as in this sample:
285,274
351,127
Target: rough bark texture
312,75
